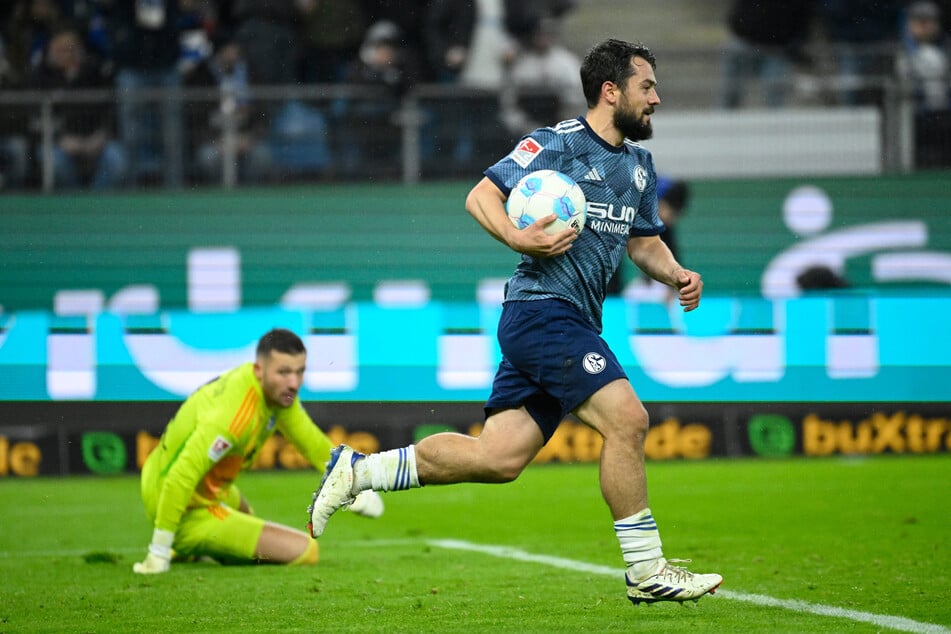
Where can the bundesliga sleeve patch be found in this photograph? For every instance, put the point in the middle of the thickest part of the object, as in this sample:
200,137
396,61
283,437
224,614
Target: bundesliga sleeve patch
218,448
526,152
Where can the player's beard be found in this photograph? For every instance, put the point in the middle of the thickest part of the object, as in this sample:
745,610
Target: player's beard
632,126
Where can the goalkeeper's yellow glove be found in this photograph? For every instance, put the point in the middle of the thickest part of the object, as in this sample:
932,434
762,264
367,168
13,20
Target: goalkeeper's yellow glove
159,558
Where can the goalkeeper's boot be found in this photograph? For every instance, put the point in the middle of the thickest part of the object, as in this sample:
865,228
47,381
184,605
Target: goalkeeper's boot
335,490
671,583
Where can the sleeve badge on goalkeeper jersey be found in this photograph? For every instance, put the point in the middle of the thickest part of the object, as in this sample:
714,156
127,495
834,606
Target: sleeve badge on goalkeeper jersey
218,448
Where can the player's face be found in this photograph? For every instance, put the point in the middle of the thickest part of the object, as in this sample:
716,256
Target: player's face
281,376
632,115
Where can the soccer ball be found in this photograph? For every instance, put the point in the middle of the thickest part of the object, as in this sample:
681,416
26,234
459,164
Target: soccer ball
542,193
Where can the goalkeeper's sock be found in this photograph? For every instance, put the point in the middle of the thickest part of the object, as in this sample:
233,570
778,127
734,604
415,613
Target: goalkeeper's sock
310,555
640,543
393,470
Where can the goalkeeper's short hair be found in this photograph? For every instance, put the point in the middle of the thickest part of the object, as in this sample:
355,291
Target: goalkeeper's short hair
280,340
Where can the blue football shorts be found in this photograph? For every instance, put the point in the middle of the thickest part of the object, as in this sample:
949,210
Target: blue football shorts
552,361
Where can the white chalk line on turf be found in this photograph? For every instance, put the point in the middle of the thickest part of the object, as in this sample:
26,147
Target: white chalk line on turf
898,623
881,620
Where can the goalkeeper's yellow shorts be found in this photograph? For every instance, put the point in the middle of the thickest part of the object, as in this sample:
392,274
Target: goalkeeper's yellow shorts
218,531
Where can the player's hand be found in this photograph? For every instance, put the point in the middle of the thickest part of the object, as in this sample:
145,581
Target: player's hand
690,286
159,558
367,504
533,241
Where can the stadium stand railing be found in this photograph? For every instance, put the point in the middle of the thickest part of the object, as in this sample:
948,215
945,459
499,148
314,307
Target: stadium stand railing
329,133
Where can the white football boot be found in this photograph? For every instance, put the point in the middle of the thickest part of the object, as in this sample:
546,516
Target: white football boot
671,583
335,490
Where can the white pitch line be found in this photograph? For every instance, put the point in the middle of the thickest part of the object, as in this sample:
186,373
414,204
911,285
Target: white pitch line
898,623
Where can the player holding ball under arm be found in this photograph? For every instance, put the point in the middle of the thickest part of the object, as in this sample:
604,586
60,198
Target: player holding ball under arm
188,481
554,360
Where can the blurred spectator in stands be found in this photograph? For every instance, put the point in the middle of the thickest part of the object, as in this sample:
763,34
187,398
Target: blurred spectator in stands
26,31
543,80
673,196
85,152
5,72
765,43
447,36
88,16
14,148
944,11
492,49
332,31
384,61
270,36
197,25
924,57
479,129
450,126
862,35
466,42
408,17
923,66
522,16
226,128
144,35
6,10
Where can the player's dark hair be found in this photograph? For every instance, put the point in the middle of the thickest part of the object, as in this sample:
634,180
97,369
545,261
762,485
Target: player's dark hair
610,61
280,340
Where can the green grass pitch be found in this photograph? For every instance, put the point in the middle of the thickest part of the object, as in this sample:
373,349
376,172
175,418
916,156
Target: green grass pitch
804,545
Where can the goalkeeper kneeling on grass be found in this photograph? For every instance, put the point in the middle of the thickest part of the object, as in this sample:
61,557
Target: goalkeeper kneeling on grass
188,480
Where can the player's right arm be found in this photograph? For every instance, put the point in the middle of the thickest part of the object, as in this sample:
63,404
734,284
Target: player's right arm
486,203
193,443
651,255
189,463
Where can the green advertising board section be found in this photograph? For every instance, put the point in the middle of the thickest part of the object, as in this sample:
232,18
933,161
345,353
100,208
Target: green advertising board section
735,228
364,234
355,234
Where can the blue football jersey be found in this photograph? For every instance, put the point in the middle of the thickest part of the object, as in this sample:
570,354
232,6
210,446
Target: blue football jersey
620,186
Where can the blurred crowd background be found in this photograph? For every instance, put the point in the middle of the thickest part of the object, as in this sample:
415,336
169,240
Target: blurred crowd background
104,94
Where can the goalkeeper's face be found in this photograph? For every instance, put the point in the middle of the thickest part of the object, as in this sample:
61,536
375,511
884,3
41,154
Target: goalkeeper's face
281,376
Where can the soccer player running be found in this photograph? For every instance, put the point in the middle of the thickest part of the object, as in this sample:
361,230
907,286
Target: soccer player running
188,479
554,359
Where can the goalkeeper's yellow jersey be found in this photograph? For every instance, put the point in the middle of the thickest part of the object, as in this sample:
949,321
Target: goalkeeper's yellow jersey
214,435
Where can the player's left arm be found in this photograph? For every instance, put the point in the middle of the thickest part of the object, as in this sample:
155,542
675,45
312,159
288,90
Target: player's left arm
651,255
176,490
296,425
